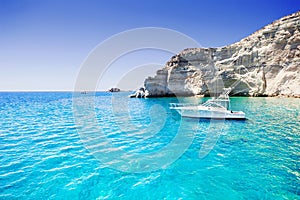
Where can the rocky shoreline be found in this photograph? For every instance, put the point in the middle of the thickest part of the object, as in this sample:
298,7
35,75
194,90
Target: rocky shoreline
267,63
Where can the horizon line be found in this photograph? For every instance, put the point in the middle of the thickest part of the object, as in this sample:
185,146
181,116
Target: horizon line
1,91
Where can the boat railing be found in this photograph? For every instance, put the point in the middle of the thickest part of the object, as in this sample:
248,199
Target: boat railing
215,104
177,105
222,101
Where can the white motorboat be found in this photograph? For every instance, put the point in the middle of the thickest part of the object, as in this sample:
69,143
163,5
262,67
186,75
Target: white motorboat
215,108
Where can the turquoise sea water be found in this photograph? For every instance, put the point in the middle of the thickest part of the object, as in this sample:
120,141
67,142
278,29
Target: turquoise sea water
42,156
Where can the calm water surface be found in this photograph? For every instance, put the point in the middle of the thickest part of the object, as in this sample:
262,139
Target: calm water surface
43,157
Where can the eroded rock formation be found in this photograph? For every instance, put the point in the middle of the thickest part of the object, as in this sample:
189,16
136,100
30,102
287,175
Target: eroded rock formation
267,63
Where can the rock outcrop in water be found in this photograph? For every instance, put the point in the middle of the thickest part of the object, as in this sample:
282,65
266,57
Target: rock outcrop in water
140,93
267,63
114,90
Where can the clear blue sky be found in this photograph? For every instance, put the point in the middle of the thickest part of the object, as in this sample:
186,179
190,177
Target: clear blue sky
44,42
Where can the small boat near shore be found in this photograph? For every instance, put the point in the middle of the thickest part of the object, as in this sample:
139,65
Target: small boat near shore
215,108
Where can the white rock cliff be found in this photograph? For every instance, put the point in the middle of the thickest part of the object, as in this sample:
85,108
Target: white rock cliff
267,63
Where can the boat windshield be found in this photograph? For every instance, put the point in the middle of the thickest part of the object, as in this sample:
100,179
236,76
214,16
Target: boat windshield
218,103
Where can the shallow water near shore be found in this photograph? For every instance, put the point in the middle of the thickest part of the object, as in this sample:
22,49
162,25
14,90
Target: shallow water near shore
42,156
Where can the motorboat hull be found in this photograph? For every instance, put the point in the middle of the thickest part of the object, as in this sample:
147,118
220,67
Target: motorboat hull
194,112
